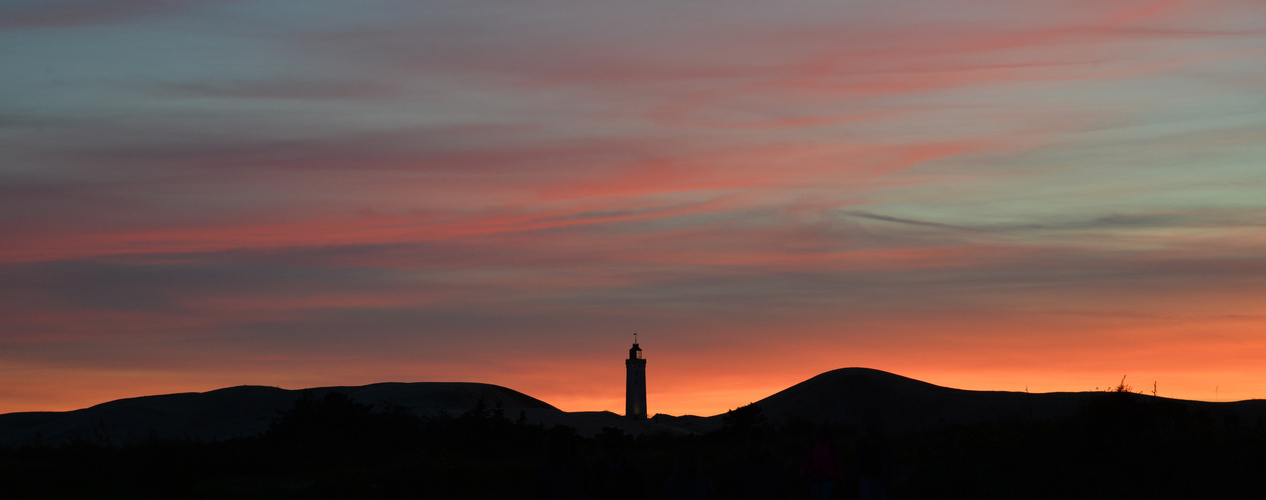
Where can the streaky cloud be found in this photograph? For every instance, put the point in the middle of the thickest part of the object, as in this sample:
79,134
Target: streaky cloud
72,13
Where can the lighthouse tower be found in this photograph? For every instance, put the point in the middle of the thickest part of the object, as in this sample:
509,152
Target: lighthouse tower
635,387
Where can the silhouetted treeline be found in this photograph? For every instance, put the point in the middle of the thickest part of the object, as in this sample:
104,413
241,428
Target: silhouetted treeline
1121,445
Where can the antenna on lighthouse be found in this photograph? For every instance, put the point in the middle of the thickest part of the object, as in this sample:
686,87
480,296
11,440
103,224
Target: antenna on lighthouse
634,336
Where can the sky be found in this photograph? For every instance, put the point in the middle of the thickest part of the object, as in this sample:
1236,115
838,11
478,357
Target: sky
1041,195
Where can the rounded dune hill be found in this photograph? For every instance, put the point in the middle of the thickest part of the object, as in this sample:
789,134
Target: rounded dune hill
863,396
248,410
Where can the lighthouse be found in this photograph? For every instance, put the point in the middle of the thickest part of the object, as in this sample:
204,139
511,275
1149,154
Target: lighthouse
635,386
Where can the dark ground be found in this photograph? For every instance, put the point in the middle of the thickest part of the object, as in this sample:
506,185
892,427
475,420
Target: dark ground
1120,445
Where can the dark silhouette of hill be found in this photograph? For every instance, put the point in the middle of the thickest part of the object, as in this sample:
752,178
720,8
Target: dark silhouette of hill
848,396
863,396
457,440
245,411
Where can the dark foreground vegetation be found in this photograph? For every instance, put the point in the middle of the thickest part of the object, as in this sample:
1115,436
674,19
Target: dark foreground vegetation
1121,445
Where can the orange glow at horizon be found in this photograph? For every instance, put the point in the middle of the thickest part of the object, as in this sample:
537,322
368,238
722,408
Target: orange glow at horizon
690,382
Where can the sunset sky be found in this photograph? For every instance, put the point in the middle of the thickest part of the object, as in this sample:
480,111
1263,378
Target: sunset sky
1040,194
